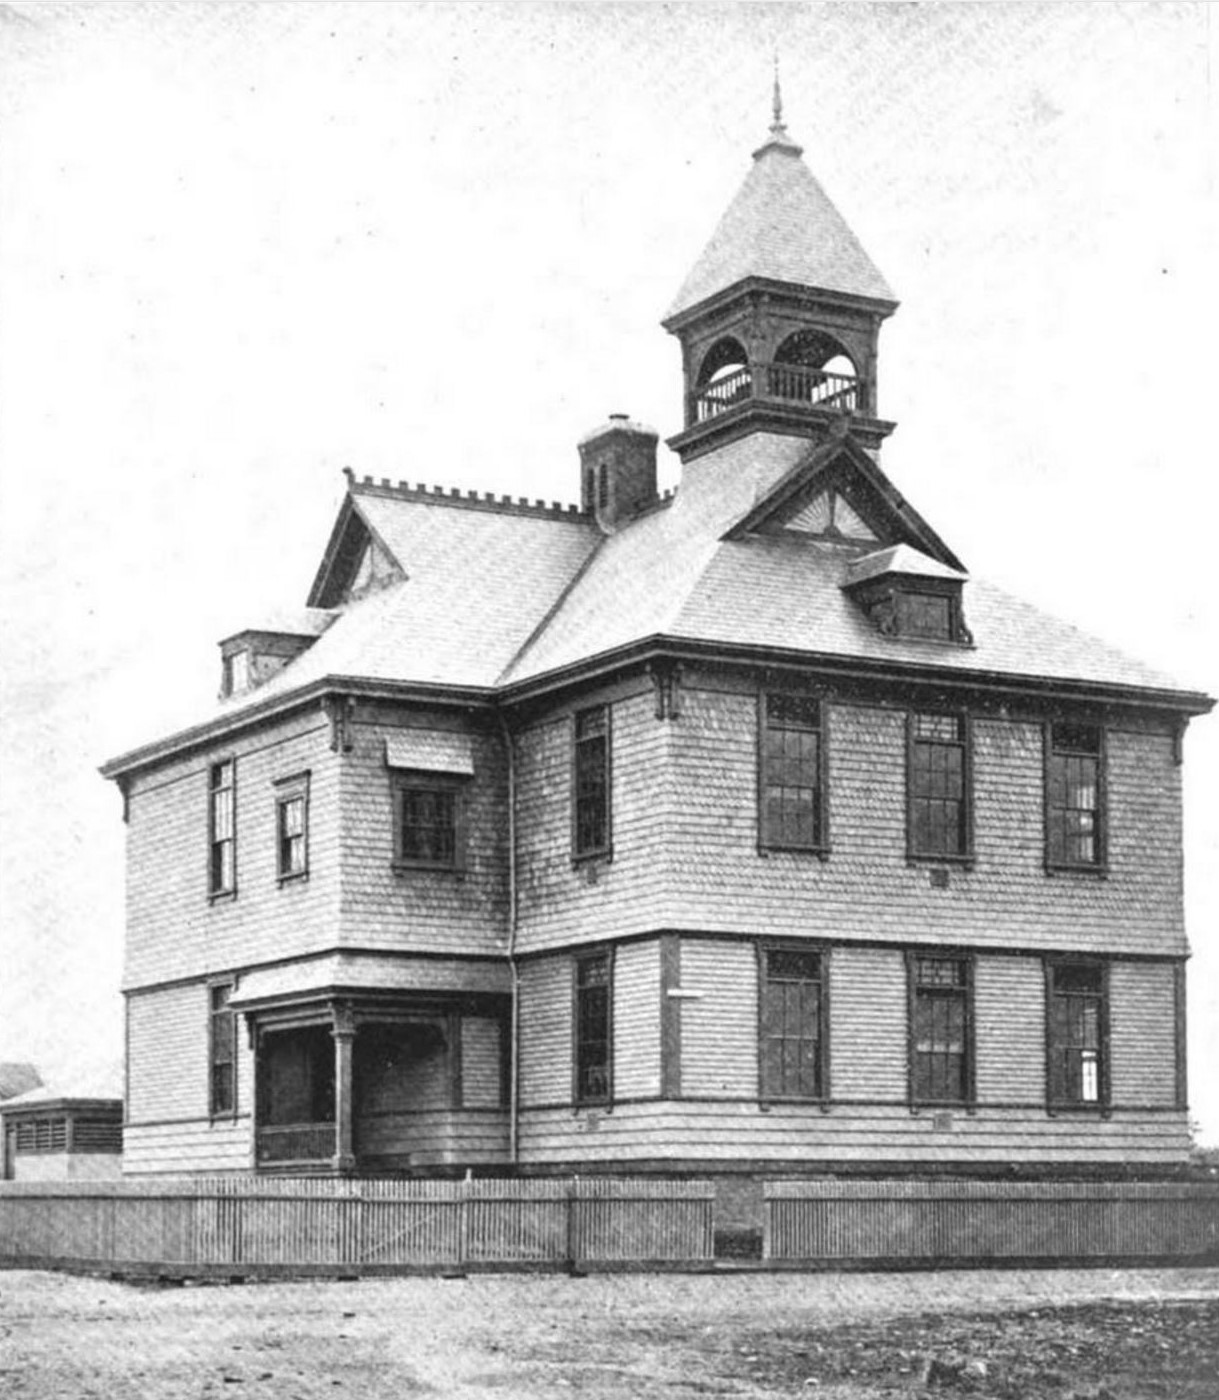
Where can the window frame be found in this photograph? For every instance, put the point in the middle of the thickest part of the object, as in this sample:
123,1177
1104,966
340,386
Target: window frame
766,1092
406,780
820,845
287,791
964,992
605,849
1056,1102
215,1039
579,1098
1059,864
966,855
216,788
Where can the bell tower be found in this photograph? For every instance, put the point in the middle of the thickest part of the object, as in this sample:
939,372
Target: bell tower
780,317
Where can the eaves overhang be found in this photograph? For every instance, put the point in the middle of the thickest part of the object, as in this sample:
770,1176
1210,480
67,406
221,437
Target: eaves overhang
277,706
997,684
796,291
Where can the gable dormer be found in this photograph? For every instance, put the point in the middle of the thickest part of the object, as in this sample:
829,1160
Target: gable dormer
907,594
356,562
252,656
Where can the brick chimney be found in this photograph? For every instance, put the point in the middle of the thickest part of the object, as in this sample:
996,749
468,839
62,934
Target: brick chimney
617,471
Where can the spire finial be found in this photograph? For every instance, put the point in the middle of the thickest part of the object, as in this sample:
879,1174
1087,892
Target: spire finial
777,125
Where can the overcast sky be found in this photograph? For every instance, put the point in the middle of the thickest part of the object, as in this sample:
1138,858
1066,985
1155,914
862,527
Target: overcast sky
242,246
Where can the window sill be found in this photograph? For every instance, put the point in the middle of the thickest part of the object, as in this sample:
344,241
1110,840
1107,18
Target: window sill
966,1106
823,1105
222,896
411,867
297,877
1089,872
961,862
819,852
1088,1110
605,854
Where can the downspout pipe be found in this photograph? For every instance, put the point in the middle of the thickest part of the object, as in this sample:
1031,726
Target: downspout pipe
514,971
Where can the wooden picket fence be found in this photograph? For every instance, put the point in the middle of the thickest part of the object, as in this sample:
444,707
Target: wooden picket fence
989,1222
249,1226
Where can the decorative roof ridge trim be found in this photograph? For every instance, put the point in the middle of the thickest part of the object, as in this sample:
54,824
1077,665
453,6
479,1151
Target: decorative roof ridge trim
467,500
275,706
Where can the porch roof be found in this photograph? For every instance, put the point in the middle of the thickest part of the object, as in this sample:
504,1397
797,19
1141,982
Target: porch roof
356,974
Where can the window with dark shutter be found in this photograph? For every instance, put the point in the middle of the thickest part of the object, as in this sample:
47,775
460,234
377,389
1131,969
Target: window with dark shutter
222,1088
939,819
791,1014
791,801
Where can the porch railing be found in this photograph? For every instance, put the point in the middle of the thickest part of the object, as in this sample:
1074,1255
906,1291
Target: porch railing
295,1142
787,383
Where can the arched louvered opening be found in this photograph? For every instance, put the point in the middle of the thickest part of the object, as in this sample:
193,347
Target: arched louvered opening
724,379
812,367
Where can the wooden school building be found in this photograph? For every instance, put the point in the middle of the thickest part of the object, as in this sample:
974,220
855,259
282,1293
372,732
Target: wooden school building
740,829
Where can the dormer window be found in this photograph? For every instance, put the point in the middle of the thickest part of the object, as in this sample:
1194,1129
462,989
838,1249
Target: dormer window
251,657
236,673
908,595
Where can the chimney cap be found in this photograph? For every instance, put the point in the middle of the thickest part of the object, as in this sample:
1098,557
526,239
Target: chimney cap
619,423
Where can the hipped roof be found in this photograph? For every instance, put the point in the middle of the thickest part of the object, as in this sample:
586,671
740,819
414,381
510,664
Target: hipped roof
783,227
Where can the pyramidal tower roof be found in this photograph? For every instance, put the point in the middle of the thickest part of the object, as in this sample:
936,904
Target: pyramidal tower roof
782,226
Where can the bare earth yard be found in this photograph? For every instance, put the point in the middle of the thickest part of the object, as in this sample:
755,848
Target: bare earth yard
1029,1335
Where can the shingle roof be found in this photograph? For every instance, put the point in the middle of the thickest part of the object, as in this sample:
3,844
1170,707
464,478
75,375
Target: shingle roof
16,1078
478,582
782,226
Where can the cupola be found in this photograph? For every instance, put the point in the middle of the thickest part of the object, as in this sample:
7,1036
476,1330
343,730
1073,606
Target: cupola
780,317
617,471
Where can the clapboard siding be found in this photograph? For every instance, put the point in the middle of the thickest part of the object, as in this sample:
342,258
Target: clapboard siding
482,1069
1142,1033
867,1023
636,1020
173,929
168,1055
1009,1029
562,900
719,1020
177,1148
867,889
434,910
545,1031
441,1137
793,1137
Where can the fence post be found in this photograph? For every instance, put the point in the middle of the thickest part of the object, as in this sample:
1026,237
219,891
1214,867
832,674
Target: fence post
573,1227
463,1215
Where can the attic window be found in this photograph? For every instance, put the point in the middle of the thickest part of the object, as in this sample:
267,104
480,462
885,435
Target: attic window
908,595
924,615
237,674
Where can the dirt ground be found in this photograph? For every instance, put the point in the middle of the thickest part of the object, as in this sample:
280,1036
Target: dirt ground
1029,1335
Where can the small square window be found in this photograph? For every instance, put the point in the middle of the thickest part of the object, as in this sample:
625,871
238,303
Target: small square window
426,818
927,615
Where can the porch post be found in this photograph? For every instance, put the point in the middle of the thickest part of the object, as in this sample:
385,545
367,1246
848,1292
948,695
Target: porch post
344,1032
